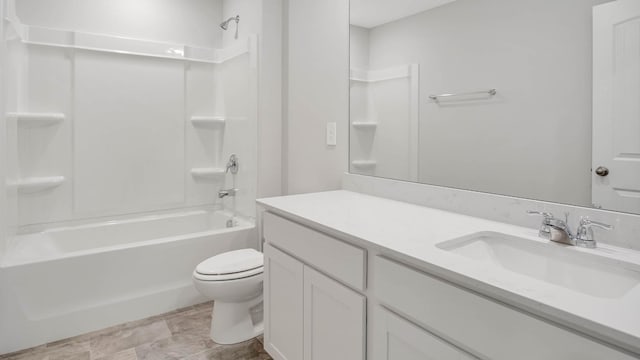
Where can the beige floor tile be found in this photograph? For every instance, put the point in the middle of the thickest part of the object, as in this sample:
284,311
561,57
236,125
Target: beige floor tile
248,350
196,321
261,339
176,347
179,334
123,339
58,351
129,354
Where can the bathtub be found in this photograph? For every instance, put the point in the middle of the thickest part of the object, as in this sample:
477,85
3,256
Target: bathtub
72,280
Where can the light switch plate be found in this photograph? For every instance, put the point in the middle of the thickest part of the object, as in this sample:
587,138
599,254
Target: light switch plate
331,134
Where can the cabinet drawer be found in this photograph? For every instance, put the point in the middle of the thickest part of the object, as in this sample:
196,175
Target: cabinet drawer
336,258
398,339
477,324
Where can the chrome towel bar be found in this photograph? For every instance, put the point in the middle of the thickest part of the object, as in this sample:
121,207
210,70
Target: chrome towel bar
490,92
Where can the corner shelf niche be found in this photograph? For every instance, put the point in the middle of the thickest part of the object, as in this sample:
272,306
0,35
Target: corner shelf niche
364,125
37,184
32,120
208,121
207,173
364,164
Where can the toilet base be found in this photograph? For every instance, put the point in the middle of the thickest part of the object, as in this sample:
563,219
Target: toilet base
232,322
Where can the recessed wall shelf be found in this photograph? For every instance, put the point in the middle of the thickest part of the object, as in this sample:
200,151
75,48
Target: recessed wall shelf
208,121
31,120
37,184
364,163
364,125
207,173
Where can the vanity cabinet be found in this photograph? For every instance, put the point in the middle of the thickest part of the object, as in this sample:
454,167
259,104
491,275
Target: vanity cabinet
482,326
316,298
283,304
398,339
310,314
334,319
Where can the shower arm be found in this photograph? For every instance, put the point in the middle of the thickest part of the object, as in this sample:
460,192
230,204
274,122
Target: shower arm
225,24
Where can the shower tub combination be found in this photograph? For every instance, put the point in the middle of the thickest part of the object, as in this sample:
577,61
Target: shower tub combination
72,280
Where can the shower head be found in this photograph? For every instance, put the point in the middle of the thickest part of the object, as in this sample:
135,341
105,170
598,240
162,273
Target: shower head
225,24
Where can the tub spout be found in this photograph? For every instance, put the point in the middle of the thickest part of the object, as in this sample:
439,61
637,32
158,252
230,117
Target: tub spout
227,192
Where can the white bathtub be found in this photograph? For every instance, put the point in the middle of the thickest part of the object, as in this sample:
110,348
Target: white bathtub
72,280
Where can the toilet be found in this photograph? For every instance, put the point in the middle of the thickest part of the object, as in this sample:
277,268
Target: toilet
233,280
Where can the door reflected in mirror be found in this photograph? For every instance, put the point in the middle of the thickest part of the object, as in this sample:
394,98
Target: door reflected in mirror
537,99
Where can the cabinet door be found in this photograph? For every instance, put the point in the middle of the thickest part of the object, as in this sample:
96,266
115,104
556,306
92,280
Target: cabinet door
334,319
397,339
283,301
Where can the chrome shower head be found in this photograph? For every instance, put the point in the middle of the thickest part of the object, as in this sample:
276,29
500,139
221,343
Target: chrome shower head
225,24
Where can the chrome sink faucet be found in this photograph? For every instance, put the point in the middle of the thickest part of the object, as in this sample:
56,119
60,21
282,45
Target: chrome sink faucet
558,230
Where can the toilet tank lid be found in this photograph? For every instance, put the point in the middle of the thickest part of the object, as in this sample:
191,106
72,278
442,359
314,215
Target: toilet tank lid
231,262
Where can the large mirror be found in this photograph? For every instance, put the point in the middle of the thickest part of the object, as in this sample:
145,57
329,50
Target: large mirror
537,99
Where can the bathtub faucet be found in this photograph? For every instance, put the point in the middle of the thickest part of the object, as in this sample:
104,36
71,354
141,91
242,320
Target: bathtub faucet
227,192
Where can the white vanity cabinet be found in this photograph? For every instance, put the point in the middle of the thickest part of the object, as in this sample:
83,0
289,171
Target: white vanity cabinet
484,327
396,338
318,288
310,315
283,304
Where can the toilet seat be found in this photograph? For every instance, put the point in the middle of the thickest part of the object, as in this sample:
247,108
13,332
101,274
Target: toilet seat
232,265
227,277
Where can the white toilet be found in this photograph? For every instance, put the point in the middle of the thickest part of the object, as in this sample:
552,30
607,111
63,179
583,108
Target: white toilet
234,281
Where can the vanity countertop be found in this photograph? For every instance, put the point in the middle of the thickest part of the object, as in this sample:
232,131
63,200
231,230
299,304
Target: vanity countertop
410,232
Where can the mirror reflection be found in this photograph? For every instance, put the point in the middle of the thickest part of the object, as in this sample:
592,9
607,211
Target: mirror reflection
530,98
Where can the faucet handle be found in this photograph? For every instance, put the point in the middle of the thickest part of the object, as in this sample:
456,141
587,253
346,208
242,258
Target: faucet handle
232,164
584,235
545,230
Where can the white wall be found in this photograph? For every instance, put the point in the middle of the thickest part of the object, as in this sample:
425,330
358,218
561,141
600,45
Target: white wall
192,22
317,93
264,17
358,47
533,139
3,132
270,140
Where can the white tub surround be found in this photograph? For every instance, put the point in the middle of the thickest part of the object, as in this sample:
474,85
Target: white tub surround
68,281
409,234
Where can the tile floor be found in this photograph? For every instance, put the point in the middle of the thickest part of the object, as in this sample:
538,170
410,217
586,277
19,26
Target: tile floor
180,334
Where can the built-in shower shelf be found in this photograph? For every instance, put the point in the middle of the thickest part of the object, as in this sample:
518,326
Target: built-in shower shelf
372,76
364,124
364,163
38,184
207,173
61,38
31,120
207,121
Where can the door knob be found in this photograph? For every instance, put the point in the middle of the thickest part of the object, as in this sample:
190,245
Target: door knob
602,171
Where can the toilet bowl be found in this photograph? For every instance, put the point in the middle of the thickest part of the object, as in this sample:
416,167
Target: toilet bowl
233,280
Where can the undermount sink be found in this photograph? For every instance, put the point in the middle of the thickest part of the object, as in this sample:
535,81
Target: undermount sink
589,274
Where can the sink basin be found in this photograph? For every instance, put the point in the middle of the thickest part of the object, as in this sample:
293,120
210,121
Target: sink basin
553,263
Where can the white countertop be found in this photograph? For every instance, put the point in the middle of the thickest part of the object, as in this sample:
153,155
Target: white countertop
411,231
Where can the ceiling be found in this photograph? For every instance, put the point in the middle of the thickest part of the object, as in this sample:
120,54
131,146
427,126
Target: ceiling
372,13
